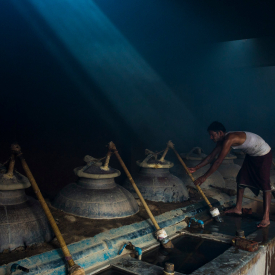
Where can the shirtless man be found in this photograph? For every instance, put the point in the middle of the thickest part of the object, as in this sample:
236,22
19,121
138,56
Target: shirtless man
255,171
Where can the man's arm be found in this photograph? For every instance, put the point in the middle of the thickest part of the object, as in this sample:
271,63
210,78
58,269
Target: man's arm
208,159
224,151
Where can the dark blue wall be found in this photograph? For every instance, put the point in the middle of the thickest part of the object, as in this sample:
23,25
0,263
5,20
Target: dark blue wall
49,113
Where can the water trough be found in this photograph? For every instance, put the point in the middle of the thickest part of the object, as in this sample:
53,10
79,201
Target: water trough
99,255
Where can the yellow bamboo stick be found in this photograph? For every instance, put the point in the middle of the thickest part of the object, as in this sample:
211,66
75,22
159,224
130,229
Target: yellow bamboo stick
106,165
188,172
164,153
114,149
73,268
9,174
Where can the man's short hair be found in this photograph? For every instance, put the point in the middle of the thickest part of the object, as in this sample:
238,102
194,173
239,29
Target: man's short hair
216,127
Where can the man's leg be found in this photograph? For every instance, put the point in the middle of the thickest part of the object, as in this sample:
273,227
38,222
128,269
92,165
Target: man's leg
238,208
267,201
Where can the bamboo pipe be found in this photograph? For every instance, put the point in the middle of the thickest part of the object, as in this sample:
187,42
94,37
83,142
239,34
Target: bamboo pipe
74,269
213,210
9,174
188,172
106,165
114,149
164,153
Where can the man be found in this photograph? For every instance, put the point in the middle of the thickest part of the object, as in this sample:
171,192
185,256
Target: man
255,171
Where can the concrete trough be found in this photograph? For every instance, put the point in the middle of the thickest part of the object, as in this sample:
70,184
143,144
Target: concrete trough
101,252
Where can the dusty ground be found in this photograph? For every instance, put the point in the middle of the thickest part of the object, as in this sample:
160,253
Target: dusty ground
74,228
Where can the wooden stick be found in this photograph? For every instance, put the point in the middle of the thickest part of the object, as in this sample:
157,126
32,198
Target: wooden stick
74,267
9,174
106,165
113,147
168,243
255,199
188,172
164,153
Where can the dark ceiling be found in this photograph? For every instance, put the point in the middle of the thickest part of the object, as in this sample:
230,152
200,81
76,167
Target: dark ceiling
235,19
203,20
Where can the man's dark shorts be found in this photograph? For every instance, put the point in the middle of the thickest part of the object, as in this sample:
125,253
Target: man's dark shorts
255,173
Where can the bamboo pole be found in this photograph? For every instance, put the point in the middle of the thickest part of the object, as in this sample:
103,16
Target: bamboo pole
74,269
114,149
9,174
255,199
164,153
106,165
190,175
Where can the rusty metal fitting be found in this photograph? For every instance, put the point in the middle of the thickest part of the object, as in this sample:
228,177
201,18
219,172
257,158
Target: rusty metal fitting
245,244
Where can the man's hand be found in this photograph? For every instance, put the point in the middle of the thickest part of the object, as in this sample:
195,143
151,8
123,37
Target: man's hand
199,181
192,169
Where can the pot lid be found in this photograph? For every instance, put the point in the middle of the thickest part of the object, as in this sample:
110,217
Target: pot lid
195,154
93,170
15,182
150,162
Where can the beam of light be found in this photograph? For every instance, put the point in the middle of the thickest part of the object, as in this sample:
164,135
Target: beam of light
138,94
